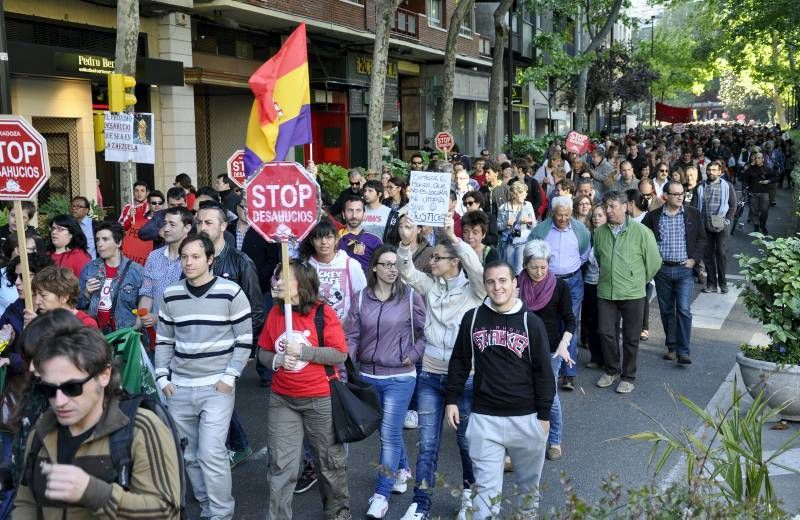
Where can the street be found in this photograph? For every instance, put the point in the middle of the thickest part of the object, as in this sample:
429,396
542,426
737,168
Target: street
595,420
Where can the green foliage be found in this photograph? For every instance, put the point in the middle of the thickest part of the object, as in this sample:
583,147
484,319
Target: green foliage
731,462
4,216
771,293
400,168
521,145
332,179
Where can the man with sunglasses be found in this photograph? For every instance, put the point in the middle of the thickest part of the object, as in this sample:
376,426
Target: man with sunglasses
356,181
152,230
681,238
72,452
417,163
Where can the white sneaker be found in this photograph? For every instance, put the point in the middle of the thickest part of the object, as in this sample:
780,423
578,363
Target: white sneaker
378,506
466,504
401,481
411,513
411,422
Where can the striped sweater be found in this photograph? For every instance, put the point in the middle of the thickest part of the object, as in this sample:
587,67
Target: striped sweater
202,340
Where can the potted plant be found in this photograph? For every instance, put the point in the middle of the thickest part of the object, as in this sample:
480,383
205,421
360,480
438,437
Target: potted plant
772,296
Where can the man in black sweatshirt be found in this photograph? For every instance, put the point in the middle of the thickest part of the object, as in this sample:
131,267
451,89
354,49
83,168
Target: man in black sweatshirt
514,388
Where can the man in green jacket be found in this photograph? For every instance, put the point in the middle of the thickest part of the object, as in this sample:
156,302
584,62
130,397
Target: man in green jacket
628,257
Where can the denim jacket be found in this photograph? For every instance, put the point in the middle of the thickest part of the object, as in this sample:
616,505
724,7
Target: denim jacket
128,297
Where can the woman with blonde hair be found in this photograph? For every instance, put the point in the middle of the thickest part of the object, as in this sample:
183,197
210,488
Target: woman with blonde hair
515,219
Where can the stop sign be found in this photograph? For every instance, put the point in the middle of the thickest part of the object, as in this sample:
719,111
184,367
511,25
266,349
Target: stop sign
236,171
24,166
444,141
283,201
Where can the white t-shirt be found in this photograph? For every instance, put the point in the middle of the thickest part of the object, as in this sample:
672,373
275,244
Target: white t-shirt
339,281
375,220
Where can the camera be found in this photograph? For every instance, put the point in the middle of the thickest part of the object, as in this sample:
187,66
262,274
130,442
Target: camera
516,232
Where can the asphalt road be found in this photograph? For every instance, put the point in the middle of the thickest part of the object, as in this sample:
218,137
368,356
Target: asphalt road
595,419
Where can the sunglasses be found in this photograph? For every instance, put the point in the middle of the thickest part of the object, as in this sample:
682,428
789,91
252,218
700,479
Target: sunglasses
157,202
69,388
470,203
356,184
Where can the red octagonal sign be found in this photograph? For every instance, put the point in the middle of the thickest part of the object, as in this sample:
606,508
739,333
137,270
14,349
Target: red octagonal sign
283,201
24,167
236,168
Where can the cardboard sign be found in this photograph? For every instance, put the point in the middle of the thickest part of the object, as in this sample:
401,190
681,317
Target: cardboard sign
577,143
430,198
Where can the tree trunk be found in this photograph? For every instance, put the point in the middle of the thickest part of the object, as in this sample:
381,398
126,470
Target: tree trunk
380,56
598,39
494,123
780,108
449,67
125,63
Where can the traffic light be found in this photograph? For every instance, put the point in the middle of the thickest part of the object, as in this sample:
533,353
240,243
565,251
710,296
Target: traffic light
118,98
99,131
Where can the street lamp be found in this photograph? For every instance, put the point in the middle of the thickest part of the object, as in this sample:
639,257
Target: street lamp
652,52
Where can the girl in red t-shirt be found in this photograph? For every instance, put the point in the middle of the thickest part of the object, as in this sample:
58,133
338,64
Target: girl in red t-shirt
300,401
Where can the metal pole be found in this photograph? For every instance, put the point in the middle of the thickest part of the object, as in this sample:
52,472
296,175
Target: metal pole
5,79
652,52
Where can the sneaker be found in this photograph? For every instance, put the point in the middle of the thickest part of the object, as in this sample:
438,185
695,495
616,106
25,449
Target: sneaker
553,453
466,504
401,481
378,506
411,422
644,336
343,514
625,387
670,356
306,480
568,383
507,464
710,289
683,359
723,289
607,380
239,456
413,514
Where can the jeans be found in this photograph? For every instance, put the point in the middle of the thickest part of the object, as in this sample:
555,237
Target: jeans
513,255
575,284
202,415
237,437
431,389
394,394
608,313
556,423
674,288
759,209
716,258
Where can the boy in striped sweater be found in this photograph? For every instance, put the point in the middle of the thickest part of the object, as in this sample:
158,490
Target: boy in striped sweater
203,340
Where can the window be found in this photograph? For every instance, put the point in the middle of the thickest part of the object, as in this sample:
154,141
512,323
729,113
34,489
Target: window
435,14
466,25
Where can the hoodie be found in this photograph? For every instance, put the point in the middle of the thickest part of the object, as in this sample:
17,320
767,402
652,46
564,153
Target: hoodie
513,376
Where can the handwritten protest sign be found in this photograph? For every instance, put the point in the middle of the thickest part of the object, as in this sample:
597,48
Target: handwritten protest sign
430,198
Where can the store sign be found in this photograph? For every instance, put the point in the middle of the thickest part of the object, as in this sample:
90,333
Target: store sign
364,67
86,63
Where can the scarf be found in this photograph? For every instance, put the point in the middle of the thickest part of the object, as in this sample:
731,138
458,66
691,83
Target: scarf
536,295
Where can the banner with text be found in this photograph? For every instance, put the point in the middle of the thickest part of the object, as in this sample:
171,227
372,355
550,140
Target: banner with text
430,198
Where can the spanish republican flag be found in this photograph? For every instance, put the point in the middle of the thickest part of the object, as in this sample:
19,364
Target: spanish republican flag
281,113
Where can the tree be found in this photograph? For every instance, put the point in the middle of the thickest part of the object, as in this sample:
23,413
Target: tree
445,118
494,124
380,57
125,52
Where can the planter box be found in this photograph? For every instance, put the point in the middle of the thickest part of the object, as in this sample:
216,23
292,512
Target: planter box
782,383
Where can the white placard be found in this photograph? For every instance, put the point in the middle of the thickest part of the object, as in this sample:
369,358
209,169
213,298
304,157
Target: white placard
118,128
430,198
144,131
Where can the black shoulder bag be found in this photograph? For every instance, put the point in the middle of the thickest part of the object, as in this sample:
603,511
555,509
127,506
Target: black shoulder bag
355,406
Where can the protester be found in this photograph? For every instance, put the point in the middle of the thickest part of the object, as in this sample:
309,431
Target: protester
589,317
376,214
57,288
421,250
716,200
133,218
204,339
300,403
79,208
473,201
385,335
34,244
356,181
495,192
355,241
582,209
474,226
508,350
184,182
228,196
10,229
68,244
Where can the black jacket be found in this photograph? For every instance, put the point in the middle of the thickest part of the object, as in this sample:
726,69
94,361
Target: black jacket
265,255
513,376
693,224
237,266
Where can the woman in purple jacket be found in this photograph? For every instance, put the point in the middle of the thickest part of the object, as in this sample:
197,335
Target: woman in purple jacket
385,334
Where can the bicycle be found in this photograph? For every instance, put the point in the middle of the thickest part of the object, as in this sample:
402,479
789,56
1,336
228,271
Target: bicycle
744,200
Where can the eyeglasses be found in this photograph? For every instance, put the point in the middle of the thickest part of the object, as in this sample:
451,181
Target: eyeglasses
69,388
389,266
78,206
676,194
436,258
156,202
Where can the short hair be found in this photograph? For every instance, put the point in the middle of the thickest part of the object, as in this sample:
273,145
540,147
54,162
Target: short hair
142,183
51,323
12,242
224,178
623,163
353,198
566,185
598,151
582,181
185,182
187,219
222,213
561,201
518,187
60,281
476,195
208,191
28,207
81,198
418,156
647,180
489,164
615,196
353,172
498,264
156,193
670,182
323,228
176,192
116,229
36,262
208,245
538,250
475,218
375,185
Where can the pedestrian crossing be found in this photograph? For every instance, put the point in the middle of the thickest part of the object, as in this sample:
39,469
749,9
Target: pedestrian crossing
710,310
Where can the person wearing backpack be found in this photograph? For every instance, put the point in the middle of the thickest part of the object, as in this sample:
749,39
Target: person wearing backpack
70,467
385,334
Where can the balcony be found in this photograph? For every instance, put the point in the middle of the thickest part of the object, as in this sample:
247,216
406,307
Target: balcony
405,23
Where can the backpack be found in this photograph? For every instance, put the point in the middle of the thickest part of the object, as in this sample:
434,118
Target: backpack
121,441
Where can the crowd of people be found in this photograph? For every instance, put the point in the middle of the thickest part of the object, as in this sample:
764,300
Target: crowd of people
475,325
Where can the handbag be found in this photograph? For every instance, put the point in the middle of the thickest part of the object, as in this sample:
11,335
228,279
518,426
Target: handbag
716,223
355,407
